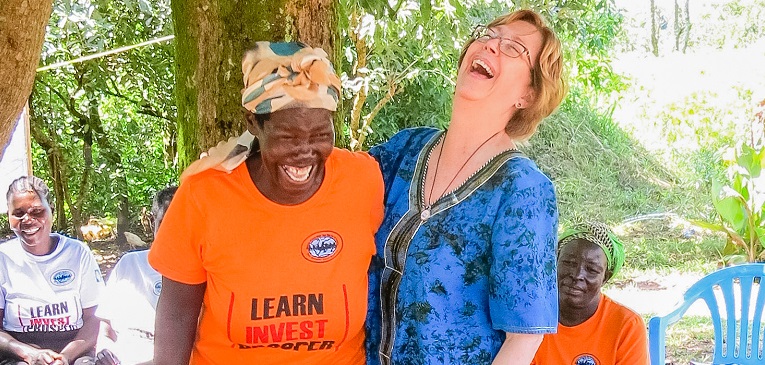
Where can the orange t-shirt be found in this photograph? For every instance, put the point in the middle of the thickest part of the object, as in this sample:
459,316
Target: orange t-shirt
285,284
614,335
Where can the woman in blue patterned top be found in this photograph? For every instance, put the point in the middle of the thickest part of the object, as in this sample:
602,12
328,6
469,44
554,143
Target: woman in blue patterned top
466,272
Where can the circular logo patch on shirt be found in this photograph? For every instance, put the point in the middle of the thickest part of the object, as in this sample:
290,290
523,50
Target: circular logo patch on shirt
586,359
62,277
157,287
322,246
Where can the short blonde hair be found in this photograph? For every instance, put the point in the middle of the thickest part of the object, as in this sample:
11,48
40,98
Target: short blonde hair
546,77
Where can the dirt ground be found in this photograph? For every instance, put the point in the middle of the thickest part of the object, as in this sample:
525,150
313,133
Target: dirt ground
107,253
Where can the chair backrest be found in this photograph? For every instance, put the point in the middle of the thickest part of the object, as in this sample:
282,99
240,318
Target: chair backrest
736,299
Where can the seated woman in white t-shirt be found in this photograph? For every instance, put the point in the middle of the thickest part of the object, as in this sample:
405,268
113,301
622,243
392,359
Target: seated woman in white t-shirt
129,304
49,285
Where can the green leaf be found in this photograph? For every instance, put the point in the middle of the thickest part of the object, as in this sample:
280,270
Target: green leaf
709,226
730,248
740,186
730,205
750,160
145,6
760,233
736,259
426,9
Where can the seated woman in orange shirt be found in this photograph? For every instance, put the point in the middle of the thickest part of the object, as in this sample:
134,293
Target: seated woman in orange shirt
592,328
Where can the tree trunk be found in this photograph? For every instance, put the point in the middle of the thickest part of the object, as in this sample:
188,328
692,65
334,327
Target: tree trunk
57,165
210,39
123,220
22,31
315,23
112,154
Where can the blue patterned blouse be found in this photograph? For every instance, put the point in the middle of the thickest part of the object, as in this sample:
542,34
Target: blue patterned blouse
479,263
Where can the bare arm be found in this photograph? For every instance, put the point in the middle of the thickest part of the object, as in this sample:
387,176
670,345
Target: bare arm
86,336
8,345
176,324
518,349
24,352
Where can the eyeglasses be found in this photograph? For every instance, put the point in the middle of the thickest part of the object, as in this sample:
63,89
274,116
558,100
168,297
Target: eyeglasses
33,213
509,47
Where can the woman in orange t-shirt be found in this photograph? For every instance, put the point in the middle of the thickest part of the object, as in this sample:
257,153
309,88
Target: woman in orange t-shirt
271,237
592,328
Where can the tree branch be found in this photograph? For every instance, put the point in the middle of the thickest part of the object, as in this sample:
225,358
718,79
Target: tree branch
144,107
57,165
392,89
69,102
360,98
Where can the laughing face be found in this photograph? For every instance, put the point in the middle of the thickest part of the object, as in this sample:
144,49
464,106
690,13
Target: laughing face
31,219
294,145
489,74
581,274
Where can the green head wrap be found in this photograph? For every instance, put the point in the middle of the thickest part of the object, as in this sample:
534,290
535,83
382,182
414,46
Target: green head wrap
599,234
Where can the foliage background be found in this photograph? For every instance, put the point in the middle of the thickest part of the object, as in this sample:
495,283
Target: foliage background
656,100
104,129
109,122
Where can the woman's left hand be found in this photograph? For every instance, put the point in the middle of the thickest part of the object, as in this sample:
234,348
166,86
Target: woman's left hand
45,357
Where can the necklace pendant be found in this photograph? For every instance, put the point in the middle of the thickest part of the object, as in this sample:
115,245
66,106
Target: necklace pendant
425,214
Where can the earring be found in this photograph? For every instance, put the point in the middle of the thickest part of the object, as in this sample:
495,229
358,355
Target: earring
518,105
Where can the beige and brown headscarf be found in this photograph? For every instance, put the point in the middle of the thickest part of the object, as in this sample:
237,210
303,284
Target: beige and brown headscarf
276,76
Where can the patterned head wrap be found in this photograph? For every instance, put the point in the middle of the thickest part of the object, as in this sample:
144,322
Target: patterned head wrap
276,76
288,75
599,234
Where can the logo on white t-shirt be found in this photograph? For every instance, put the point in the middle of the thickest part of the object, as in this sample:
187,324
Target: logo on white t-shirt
62,277
322,246
157,287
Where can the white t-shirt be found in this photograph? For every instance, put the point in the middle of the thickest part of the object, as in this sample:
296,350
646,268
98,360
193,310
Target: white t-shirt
47,293
130,304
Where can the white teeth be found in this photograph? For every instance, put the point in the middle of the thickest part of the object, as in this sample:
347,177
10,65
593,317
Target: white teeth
298,174
31,230
483,65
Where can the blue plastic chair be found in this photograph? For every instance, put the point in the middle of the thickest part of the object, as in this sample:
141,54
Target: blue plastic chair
742,340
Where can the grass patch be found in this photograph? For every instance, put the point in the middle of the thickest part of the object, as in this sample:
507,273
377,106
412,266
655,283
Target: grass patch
669,244
601,173
666,255
689,339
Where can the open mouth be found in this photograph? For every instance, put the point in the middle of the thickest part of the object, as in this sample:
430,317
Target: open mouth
480,67
297,174
30,231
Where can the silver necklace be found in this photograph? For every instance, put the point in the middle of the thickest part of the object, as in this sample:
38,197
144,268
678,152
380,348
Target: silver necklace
425,214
